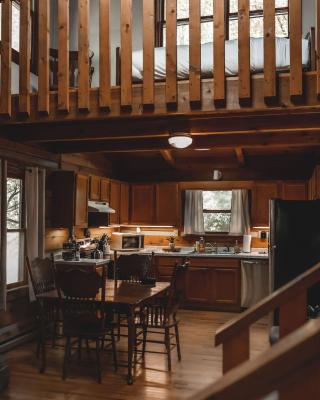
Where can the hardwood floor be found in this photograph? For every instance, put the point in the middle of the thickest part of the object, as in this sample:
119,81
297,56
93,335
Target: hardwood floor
200,365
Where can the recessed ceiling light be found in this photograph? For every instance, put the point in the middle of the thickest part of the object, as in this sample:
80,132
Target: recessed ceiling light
180,140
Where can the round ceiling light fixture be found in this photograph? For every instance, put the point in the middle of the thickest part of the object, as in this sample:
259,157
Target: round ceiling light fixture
180,140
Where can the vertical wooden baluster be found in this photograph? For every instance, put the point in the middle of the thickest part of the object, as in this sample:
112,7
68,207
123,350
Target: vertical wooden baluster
83,56
171,54
126,54
318,47
24,57
104,56
269,51
295,22
148,53
236,350
43,73
219,83
195,52
6,23
293,314
63,55
244,53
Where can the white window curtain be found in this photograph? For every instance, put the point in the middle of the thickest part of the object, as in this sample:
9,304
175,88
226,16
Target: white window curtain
3,237
240,216
35,215
193,213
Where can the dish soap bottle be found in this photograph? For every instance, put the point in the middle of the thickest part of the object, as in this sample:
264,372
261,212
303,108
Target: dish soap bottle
202,246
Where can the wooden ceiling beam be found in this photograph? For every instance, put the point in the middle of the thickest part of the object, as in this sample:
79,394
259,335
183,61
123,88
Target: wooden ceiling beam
168,157
240,156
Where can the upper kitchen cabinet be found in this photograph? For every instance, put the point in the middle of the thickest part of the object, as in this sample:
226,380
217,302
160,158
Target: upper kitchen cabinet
142,204
95,189
167,204
115,201
70,199
294,191
124,203
314,184
262,192
105,189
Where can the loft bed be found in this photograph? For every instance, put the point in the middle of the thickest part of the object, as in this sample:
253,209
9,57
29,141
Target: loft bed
231,59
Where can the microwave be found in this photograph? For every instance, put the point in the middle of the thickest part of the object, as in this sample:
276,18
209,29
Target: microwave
127,241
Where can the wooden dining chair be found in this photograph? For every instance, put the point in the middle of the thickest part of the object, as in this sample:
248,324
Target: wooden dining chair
161,317
85,314
41,273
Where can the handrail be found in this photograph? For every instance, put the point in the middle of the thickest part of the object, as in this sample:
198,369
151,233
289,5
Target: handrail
268,304
290,366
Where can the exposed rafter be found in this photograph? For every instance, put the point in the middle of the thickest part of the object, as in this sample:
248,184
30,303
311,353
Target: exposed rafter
168,157
240,156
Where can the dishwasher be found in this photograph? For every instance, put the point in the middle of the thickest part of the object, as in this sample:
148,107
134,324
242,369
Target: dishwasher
254,281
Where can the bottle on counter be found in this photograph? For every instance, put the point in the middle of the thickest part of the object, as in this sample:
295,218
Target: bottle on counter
77,253
202,245
237,249
196,246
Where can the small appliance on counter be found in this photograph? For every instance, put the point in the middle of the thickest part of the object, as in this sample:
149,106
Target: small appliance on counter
121,241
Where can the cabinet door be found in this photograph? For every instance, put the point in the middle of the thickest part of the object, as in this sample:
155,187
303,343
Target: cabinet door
167,204
142,204
261,194
226,284
115,195
81,201
294,191
198,287
94,188
124,203
164,267
105,189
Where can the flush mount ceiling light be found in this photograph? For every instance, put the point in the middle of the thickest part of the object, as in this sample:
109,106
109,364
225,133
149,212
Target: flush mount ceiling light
180,140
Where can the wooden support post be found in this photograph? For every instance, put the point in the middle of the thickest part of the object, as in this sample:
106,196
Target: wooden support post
104,56
269,51
171,55
219,83
126,54
63,55
43,73
83,56
295,22
5,91
24,58
244,52
195,53
293,314
148,53
236,350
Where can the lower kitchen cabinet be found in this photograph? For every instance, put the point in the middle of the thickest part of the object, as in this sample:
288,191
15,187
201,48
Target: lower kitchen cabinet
210,283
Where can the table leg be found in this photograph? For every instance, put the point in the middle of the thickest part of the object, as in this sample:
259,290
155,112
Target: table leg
131,343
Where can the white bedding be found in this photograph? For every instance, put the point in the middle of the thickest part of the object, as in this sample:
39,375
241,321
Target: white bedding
231,59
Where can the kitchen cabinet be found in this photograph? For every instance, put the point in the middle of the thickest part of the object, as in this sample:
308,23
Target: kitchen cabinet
314,184
210,283
142,204
167,204
105,189
95,188
70,199
294,191
115,199
261,194
124,203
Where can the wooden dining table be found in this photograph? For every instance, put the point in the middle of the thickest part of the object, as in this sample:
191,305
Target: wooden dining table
125,297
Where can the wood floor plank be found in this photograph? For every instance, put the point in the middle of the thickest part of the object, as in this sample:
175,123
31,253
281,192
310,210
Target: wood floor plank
201,365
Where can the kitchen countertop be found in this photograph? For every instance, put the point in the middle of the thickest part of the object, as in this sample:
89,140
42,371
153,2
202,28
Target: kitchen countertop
83,261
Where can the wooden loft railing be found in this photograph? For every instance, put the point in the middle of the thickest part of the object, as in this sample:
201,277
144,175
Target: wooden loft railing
291,300
47,102
291,368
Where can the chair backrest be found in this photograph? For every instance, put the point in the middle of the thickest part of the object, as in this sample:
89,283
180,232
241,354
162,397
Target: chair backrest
81,294
175,293
134,267
41,273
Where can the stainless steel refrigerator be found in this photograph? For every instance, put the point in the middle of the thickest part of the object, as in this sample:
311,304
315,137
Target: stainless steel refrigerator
294,242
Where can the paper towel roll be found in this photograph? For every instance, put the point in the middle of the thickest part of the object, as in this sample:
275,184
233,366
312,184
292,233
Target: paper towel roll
246,247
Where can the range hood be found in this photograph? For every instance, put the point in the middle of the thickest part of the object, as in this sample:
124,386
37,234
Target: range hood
100,207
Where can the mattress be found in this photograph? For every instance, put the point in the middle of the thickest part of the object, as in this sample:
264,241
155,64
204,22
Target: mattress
231,59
